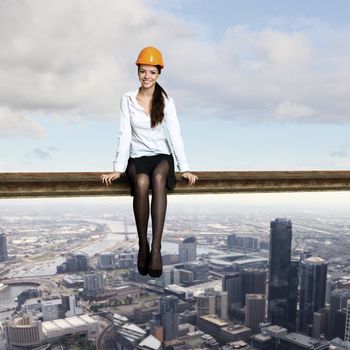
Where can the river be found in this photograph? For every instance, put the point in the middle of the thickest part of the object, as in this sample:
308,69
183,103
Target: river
45,268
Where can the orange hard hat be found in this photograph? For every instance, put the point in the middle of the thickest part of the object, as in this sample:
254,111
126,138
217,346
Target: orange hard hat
151,56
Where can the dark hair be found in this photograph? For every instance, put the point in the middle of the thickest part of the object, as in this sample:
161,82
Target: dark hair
158,103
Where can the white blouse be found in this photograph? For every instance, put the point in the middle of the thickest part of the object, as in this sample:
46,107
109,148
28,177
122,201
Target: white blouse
136,138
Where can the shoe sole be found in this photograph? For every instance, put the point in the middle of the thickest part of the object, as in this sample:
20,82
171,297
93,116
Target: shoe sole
142,270
155,273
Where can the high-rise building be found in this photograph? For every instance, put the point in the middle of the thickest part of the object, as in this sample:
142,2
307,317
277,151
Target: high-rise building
339,324
106,261
247,243
169,316
170,276
94,284
212,303
69,305
320,323
347,322
221,304
339,298
206,303
75,261
194,272
255,311
51,308
231,241
188,250
253,282
282,275
156,328
293,294
231,283
242,242
3,247
312,291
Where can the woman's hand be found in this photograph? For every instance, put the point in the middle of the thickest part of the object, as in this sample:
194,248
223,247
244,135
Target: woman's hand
190,177
107,179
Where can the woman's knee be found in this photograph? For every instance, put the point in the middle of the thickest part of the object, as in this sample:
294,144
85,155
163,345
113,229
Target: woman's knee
142,183
158,179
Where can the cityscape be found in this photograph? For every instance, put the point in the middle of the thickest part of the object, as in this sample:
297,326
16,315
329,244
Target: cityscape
255,253
235,276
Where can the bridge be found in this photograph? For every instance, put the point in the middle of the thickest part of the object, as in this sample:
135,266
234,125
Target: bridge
29,281
7,309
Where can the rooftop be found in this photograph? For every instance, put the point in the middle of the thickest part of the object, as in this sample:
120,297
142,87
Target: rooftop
151,342
236,329
214,319
67,323
303,340
315,260
262,336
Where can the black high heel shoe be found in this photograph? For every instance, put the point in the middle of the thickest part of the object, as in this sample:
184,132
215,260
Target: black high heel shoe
156,272
143,270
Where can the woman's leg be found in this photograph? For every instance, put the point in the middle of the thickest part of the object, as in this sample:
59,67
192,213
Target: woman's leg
141,212
158,211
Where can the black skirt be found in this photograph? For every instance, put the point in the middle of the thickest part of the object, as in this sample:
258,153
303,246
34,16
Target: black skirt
146,165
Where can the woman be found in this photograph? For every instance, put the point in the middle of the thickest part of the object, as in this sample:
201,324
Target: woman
144,153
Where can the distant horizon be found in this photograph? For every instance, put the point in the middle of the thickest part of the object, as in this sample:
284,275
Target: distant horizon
329,201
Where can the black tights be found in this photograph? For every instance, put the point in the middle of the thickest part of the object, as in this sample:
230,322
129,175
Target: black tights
158,208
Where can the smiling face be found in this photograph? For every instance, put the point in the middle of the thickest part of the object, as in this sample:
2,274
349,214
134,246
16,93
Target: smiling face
148,75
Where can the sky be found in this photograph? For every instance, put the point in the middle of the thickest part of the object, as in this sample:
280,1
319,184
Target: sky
258,85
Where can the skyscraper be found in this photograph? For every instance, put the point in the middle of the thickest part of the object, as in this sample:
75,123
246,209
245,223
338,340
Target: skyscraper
255,311
293,294
312,291
221,306
339,298
253,282
231,283
347,322
231,241
206,302
94,284
282,275
188,250
169,316
3,247
170,276
69,305
320,324
212,303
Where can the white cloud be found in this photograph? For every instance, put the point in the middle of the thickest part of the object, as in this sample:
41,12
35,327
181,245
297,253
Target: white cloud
73,60
287,109
15,123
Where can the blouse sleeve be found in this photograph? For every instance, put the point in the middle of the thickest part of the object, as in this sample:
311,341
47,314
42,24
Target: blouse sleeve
124,137
173,126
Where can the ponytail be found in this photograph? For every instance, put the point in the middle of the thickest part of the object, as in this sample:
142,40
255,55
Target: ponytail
158,104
